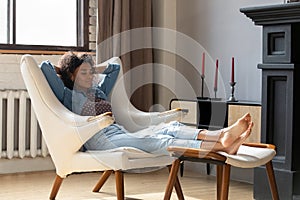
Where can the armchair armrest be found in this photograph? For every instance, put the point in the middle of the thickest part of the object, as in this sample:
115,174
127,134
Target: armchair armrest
134,119
169,115
93,125
175,111
93,118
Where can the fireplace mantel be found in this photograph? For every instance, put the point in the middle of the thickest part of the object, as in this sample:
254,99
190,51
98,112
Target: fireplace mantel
279,13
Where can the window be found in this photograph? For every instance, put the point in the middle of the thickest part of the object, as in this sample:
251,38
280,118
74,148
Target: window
44,25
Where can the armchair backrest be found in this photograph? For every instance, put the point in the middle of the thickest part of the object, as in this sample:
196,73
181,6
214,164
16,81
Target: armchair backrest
124,111
61,128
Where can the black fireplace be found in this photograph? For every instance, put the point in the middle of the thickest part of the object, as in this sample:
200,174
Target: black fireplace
280,123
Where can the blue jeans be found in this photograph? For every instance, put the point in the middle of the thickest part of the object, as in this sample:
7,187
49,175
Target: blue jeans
154,139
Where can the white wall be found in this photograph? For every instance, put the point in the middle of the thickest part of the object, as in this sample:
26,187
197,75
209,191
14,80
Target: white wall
10,74
223,31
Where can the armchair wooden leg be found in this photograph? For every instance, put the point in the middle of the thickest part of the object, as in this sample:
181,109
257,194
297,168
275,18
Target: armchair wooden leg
172,179
219,181
177,185
272,180
102,180
225,182
119,184
56,185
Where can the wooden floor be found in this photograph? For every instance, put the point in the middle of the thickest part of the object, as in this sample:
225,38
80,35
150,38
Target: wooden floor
146,186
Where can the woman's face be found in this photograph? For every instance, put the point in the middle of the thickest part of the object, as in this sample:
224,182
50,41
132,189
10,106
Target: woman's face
83,77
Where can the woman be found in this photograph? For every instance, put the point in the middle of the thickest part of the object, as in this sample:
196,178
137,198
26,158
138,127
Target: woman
77,73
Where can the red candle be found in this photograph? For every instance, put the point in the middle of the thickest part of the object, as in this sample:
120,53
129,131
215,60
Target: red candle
203,63
216,75
232,70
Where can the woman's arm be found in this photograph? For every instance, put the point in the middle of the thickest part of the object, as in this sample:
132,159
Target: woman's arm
111,74
100,68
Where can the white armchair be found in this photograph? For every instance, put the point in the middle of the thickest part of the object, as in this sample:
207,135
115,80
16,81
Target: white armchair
65,132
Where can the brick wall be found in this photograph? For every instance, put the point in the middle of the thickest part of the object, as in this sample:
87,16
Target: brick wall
92,24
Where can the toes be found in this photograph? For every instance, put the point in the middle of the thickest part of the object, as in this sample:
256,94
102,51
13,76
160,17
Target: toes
251,124
247,117
248,131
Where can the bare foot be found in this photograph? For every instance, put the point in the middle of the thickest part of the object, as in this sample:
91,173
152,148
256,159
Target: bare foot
233,148
233,132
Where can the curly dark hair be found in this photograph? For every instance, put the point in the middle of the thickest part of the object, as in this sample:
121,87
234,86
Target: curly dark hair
68,64
87,58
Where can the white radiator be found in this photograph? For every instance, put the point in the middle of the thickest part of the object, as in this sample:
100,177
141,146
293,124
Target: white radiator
20,135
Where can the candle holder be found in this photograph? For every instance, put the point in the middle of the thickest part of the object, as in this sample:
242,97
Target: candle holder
215,98
202,85
232,98
215,90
